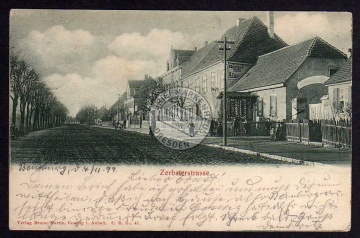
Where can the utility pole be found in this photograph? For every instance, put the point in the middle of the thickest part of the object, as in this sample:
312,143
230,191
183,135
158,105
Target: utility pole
118,111
224,48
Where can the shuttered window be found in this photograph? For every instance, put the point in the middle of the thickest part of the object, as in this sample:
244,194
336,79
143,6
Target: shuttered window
222,80
204,83
197,84
260,106
336,95
213,79
273,105
348,94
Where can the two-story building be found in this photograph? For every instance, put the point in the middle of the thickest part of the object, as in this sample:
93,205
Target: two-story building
132,97
203,71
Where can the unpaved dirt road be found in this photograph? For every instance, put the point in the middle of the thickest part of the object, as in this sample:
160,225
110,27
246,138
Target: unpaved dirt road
79,144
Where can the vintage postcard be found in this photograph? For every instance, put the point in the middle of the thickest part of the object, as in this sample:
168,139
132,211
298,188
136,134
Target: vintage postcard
180,120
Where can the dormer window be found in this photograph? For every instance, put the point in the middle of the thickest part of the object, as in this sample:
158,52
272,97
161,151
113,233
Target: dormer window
332,70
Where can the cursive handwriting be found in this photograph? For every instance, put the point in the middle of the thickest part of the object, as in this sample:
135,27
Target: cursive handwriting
139,197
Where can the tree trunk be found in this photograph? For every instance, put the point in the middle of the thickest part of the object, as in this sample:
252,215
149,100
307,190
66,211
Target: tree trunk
36,119
14,107
27,117
22,116
31,118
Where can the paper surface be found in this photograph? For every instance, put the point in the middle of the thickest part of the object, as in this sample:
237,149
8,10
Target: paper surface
85,154
235,198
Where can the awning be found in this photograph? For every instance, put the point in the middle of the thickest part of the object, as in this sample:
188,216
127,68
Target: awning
238,95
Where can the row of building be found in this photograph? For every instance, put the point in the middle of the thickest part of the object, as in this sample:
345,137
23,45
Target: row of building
267,79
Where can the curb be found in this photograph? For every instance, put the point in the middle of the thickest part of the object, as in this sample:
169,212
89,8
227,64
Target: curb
274,157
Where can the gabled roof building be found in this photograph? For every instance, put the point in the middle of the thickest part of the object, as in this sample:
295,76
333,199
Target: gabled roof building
339,96
289,79
203,71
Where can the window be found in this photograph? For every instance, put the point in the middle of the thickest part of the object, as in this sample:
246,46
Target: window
260,106
339,99
349,98
213,80
222,79
273,105
204,83
332,70
197,84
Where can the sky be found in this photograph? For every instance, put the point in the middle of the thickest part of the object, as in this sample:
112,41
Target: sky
86,57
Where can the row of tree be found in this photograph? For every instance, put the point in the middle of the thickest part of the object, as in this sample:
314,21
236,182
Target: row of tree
33,103
87,114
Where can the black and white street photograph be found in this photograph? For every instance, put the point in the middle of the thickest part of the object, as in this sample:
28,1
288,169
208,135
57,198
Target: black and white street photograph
254,105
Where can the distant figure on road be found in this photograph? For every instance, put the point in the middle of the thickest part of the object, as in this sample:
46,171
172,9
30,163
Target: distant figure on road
151,133
124,124
117,125
192,129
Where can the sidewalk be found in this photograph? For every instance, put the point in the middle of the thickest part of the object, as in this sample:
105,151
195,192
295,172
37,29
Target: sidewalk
298,151
279,150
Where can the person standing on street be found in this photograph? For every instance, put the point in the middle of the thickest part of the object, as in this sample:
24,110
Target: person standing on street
151,133
192,129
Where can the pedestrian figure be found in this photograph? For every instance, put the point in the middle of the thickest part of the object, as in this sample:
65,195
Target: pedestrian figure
236,127
220,128
124,124
212,127
192,129
151,133
118,125
246,127
273,133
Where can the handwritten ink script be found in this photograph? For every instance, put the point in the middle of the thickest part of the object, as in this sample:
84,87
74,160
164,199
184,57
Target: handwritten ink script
138,198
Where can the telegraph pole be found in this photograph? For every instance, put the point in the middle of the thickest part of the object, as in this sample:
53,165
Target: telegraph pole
118,111
224,48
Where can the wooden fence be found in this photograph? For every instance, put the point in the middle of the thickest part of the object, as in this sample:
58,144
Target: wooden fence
336,133
329,132
261,128
303,131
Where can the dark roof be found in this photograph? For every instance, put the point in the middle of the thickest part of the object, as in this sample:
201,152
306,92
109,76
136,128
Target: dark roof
183,53
135,84
193,61
343,74
251,40
182,56
101,112
276,67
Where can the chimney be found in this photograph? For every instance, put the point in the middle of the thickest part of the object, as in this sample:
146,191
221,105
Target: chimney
205,43
239,20
349,52
271,24
195,48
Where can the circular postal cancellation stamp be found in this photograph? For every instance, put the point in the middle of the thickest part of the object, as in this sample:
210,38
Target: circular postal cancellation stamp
180,118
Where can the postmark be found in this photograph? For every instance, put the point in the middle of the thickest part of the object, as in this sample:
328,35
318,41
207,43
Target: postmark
180,118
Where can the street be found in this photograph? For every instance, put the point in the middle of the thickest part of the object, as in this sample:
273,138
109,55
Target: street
79,144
